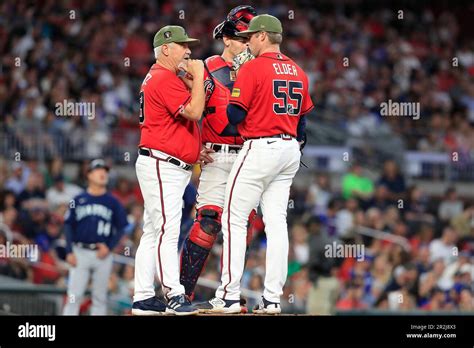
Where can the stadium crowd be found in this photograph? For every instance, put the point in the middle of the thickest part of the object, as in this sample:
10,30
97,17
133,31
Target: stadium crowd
98,52
429,265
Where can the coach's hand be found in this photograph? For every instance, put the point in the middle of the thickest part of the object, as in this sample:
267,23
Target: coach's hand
195,68
71,259
102,251
205,157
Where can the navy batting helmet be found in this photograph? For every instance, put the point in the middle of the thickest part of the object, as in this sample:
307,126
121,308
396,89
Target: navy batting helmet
237,20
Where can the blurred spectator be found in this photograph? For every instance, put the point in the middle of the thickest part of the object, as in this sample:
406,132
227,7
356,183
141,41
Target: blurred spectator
464,222
416,207
450,206
466,301
324,291
329,219
319,194
393,180
437,300
445,247
61,192
18,179
431,280
405,278
34,189
299,242
54,170
381,272
8,200
345,219
354,184
124,192
381,198
48,270
352,299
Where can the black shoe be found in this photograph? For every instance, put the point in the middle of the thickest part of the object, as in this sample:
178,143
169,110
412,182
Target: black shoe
150,306
181,305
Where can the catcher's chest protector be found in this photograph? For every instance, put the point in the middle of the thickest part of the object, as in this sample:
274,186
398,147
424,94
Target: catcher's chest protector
220,80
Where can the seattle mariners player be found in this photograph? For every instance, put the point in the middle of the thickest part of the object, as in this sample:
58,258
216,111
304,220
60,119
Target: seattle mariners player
221,142
170,143
93,227
268,103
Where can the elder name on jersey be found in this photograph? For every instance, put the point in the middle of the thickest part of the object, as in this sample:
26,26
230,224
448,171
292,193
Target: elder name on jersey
285,69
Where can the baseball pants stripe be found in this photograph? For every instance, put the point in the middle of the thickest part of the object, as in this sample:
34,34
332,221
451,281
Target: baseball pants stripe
163,214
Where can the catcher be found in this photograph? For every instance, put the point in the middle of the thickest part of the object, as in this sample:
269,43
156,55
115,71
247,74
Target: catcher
221,144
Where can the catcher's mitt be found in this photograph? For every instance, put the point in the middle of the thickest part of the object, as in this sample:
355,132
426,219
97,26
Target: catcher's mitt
241,59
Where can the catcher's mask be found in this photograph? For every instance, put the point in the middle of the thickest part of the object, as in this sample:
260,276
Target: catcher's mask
237,20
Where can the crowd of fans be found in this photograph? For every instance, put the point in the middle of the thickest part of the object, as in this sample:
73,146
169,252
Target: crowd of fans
99,52
417,251
356,58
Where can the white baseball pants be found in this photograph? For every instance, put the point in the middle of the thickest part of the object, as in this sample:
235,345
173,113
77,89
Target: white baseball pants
162,185
214,177
263,172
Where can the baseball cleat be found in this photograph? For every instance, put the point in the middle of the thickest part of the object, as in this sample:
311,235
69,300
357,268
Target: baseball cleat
218,305
150,306
181,305
267,307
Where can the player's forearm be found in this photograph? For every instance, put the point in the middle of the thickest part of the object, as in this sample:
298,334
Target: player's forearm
195,108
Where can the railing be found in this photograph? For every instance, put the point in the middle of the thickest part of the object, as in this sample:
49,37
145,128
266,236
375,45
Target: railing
23,298
42,146
440,166
370,232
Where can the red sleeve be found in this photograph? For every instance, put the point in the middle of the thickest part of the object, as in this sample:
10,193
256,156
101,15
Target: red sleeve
307,102
244,87
175,96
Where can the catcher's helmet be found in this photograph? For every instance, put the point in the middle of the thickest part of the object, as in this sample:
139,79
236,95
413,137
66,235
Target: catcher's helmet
237,20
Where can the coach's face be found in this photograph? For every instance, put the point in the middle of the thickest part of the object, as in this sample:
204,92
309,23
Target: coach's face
98,177
178,53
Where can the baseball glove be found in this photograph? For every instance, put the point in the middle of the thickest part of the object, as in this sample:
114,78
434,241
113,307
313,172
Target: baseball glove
241,59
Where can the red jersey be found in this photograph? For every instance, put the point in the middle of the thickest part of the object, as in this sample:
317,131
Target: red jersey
163,96
275,93
218,82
